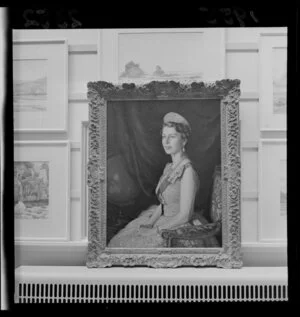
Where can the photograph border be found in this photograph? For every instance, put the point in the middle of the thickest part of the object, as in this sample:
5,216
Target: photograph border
229,255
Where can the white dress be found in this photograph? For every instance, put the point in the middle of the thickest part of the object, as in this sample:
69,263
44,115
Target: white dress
168,192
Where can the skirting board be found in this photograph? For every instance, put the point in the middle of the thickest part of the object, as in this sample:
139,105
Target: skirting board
74,254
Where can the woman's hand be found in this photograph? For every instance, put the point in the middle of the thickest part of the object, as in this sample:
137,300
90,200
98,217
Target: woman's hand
146,225
159,229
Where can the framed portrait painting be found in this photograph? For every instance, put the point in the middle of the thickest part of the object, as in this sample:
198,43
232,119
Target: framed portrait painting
40,85
164,174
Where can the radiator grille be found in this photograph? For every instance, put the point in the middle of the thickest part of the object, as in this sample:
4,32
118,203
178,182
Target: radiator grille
109,293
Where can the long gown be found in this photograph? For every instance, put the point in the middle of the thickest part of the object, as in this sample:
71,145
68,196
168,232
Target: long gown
168,193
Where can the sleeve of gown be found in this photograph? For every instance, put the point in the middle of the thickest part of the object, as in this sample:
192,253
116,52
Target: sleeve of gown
188,190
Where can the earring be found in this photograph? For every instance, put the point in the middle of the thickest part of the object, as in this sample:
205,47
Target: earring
183,149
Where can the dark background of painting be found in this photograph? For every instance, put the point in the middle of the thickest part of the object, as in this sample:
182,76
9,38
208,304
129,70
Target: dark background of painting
136,159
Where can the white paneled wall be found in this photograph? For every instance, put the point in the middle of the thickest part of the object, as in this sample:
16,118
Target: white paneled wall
93,55
263,228
249,119
243,65
82,68
85,70
249,171
249,35
78,112
249,219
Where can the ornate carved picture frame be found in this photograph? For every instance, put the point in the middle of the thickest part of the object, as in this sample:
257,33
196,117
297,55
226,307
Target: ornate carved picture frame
220,181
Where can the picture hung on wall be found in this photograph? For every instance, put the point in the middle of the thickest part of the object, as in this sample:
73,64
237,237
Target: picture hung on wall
273,80
30,89
283,187
41,190
279,80
272,191
164,174
135,65
40,85
31,194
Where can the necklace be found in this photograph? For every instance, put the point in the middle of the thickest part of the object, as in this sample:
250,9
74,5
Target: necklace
176,164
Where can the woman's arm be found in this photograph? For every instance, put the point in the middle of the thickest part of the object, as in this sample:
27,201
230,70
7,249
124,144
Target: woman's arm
187,198
156,214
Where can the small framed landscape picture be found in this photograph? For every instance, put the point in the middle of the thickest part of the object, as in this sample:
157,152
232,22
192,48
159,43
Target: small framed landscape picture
40,85
142,55
273,81
164,174
283,187
41,191
273,191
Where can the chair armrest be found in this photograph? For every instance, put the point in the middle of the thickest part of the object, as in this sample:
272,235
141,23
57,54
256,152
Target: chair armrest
191,232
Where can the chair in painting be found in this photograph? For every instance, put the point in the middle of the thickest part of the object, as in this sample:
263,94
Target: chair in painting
199,232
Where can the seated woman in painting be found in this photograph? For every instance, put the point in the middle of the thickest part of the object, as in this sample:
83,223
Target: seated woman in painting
176,191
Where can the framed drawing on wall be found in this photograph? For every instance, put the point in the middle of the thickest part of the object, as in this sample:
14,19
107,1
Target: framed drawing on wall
273,191
143,55
164,174
40,85
273,81
41,191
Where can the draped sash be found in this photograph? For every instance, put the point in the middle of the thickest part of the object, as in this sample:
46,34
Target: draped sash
165,179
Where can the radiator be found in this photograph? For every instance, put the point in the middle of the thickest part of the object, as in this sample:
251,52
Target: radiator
67,284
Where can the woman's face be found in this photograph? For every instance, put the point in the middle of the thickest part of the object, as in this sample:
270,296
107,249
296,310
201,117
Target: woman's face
172,140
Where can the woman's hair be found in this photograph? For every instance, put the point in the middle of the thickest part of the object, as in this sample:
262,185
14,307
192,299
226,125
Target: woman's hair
181,128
